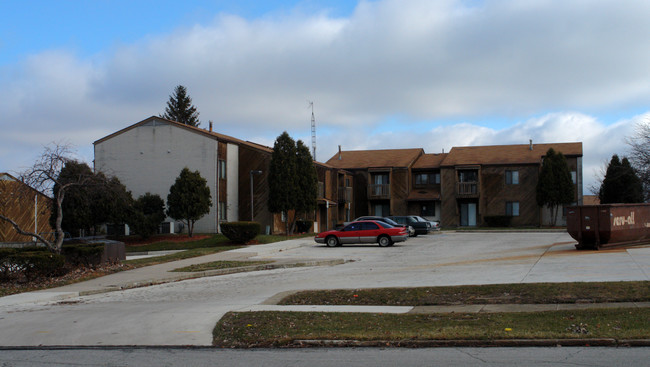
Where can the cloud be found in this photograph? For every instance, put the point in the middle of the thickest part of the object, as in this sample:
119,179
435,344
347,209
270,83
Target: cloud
431,63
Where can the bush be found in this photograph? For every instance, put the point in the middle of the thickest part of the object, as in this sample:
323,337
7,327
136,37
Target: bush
34,264
240,232
303,226
83,254
498,220
148,212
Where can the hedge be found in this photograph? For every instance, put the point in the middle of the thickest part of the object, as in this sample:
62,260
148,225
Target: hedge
240,232
83,254
498,220
30,263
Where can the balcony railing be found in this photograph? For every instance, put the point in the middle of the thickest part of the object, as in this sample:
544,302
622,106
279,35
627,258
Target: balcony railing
467,189
379,191
345,194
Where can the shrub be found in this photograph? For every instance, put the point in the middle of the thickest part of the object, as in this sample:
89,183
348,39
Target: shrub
240,232
498,220
83,253
303,226
148,212
29,264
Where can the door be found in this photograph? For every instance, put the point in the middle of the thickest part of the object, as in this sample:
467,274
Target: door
468,214
350,234
369,232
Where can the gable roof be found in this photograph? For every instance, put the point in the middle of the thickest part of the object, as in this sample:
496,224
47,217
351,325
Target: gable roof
430,160
7,179
210,134
507,154
351,159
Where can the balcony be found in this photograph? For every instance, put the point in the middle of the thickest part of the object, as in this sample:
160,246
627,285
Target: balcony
345,194
467,189
379,191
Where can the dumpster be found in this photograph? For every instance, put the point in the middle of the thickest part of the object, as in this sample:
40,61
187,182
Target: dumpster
609,225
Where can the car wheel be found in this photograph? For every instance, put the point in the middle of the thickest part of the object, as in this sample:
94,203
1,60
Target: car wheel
332,241
384,241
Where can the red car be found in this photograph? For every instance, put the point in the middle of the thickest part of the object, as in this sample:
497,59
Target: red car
366,231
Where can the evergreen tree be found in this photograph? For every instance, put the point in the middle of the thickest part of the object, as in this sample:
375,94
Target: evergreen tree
148,211
620,184
189,198
283,178
76,212
307,193
180,108
554,187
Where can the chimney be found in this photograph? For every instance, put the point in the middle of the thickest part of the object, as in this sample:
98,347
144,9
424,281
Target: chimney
340,153
210,122
531,144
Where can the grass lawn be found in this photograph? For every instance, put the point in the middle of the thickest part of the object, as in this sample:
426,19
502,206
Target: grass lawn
265,329
220,265
535,293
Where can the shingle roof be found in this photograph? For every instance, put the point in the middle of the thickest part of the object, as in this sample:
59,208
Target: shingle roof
507,154
197,130
430,160
351,159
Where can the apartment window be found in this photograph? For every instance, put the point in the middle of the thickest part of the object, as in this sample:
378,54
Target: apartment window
381,210
222,169
574,176
223,213
512,177
512,208
427,178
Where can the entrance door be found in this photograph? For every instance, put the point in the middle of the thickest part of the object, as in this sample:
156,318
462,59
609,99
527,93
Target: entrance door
468,214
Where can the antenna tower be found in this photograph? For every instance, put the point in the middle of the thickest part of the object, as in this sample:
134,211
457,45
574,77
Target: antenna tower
313,130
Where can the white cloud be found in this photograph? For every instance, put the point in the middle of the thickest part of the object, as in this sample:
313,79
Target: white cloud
425,61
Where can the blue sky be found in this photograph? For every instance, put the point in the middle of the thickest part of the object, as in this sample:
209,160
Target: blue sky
382,73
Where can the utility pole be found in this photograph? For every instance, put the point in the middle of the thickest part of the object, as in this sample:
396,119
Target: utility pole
313,130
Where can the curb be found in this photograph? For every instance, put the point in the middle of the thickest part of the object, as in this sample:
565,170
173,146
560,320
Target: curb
505,343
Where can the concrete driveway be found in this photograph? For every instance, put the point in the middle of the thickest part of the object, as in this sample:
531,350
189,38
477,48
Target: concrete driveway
184,313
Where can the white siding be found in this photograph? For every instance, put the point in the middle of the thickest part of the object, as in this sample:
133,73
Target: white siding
148,158
232,189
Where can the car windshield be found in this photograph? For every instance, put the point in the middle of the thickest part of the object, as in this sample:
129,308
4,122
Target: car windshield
420,219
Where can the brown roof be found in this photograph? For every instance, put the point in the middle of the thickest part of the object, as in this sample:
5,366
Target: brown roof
198,130
423,195
507,154
430,160
351,159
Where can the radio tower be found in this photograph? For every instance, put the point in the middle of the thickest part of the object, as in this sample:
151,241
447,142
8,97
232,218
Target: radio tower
313,130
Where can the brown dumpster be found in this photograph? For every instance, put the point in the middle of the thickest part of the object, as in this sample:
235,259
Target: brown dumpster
597,226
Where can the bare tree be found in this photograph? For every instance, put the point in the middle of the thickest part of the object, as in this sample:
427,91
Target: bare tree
43,176
640,154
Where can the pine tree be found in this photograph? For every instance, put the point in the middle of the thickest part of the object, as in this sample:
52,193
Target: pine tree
189,198
180,108
620,184
307,180
283,180
554,187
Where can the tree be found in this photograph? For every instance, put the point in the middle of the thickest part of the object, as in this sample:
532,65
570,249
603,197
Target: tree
42,176
180,108
307,190
283,180
189,198
293,185
555,187
147,213
620,184
640,154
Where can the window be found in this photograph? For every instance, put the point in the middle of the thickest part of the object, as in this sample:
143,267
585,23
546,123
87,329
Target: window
573,176
222,169
369,226
512,208
381,210
283,217
427,178
223,213
512,177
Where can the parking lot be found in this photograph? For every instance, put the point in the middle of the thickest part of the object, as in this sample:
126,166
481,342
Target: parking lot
184,313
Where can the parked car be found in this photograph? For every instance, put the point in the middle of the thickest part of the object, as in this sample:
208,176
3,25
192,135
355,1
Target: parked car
410,220
435,225
367,231
410,229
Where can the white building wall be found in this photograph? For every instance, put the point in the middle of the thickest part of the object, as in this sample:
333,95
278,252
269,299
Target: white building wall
232,189
148,158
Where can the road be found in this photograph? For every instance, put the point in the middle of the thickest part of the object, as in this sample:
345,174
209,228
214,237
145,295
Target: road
366,357
184,313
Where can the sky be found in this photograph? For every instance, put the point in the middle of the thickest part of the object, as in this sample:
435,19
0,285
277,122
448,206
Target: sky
381,74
